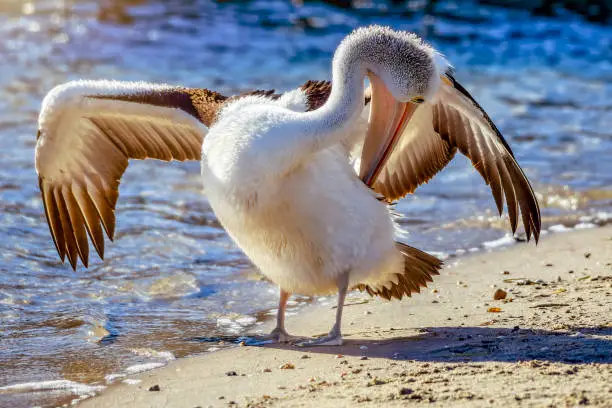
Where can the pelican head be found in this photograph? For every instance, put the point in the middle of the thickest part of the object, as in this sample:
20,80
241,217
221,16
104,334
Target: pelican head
403,72
408,67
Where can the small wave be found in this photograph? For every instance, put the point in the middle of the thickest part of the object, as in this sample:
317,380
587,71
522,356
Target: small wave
149,352
584,222
507,239
559,228
55,385
139,368
109,378
237,325
175,286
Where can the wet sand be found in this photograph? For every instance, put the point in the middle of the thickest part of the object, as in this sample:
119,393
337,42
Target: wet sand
549,343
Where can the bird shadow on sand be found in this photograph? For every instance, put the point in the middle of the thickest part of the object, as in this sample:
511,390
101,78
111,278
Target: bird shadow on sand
462,344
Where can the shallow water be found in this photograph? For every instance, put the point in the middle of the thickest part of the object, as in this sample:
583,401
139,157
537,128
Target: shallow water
172,278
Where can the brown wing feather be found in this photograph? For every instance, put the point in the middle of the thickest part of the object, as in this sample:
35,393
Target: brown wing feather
456,122
419,269
82,153
317,93
202,104
491,155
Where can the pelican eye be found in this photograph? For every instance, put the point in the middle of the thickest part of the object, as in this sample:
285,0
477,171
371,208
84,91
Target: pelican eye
417,99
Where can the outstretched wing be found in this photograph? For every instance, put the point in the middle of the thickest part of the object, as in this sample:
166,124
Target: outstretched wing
429,142
88,130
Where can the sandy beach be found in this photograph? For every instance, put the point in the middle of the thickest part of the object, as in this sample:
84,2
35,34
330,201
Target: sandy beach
547,344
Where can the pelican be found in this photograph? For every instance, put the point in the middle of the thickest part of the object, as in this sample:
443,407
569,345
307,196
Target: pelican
302,181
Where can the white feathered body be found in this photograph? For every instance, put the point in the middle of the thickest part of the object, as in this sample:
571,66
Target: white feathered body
301,220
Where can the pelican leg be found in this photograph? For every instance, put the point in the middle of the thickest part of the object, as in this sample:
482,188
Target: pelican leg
334,338
279,334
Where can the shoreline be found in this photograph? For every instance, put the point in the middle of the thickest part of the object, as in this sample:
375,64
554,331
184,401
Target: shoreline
552,342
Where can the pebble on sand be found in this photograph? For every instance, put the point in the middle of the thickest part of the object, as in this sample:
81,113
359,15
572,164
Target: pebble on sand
494,310
154,388
287,366
500,294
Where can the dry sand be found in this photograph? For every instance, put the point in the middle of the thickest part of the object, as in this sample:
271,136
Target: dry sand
550,346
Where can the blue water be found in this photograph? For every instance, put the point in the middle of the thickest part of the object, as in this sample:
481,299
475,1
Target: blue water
172,275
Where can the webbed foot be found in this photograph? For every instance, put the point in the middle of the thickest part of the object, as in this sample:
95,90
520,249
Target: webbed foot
332,339
280,335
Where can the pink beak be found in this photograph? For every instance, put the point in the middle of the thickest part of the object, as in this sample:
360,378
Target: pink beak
388,119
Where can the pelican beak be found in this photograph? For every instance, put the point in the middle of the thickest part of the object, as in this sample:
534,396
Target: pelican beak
388,119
